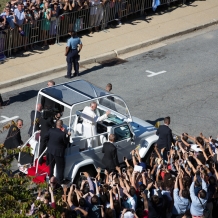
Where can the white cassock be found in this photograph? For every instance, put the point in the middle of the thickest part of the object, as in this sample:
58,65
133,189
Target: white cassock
89,125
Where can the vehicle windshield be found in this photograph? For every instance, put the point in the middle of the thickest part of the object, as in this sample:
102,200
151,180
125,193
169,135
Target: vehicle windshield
116,104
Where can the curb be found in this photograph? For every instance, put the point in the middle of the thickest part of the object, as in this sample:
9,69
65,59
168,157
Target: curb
105,56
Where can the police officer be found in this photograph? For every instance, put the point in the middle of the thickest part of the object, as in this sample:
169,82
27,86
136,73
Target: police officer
72,54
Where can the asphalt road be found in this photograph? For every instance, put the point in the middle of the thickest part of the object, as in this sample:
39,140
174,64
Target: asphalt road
187,91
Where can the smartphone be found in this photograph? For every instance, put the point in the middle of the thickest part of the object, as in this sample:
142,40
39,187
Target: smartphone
81,174
102,170
123,170
99,206
168,152
124,158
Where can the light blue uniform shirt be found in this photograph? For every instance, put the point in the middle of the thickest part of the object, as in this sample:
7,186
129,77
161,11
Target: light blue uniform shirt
196,207
73,42
181,205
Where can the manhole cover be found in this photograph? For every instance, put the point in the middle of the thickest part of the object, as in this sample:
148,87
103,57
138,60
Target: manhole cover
112,62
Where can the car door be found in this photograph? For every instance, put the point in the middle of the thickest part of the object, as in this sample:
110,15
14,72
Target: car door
123,141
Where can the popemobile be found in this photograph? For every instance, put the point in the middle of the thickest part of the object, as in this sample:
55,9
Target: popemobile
131,132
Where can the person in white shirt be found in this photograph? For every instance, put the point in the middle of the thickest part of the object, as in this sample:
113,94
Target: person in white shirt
89,123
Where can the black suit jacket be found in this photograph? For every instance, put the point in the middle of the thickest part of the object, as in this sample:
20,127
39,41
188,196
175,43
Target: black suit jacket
110,158
46,124
157,210
57,142
13,139
36,122
50,104
165,137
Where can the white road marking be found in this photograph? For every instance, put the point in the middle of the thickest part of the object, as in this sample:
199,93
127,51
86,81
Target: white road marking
7,119
153,73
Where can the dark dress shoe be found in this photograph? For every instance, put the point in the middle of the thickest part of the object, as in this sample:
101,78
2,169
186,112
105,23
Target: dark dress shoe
75,74
68,77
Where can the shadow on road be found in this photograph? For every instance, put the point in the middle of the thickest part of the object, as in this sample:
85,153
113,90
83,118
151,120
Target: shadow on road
22,96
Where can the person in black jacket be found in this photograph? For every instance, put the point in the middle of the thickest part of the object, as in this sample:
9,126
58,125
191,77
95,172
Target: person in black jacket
13,139
35,122
48,104
165,137
46,123
157,204
57,142
110,158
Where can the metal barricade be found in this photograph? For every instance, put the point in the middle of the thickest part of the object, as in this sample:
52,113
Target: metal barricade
5,42
34,32
98,15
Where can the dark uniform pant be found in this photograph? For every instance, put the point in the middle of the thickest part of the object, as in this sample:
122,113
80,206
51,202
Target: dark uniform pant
60,164
43,145
72,59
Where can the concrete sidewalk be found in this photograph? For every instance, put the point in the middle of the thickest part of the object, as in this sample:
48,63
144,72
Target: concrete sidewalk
105,45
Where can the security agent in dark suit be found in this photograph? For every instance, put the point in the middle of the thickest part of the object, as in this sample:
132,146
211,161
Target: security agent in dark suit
110,158
165,137
46,123
13,139
57,142
49,104
35,122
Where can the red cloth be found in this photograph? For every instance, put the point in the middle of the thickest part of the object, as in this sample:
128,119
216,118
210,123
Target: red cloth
145,214
162,174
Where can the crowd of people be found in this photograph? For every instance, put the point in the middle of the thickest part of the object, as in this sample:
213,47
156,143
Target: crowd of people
34,21
178,179
25,24
182,185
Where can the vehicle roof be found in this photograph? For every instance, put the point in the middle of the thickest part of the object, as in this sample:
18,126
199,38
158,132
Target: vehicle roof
74,92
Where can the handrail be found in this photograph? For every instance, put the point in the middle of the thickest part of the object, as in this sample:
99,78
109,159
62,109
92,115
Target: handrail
37,165
37,152
26,144
92,137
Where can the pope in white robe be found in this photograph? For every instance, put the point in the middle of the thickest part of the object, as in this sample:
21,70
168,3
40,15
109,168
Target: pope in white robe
90,120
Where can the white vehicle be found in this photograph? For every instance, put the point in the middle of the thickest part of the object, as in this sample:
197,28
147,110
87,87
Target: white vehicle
130,132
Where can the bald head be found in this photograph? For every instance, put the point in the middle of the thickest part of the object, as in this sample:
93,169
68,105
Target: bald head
59,124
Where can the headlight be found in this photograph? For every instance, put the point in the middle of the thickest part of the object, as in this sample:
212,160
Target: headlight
144,143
